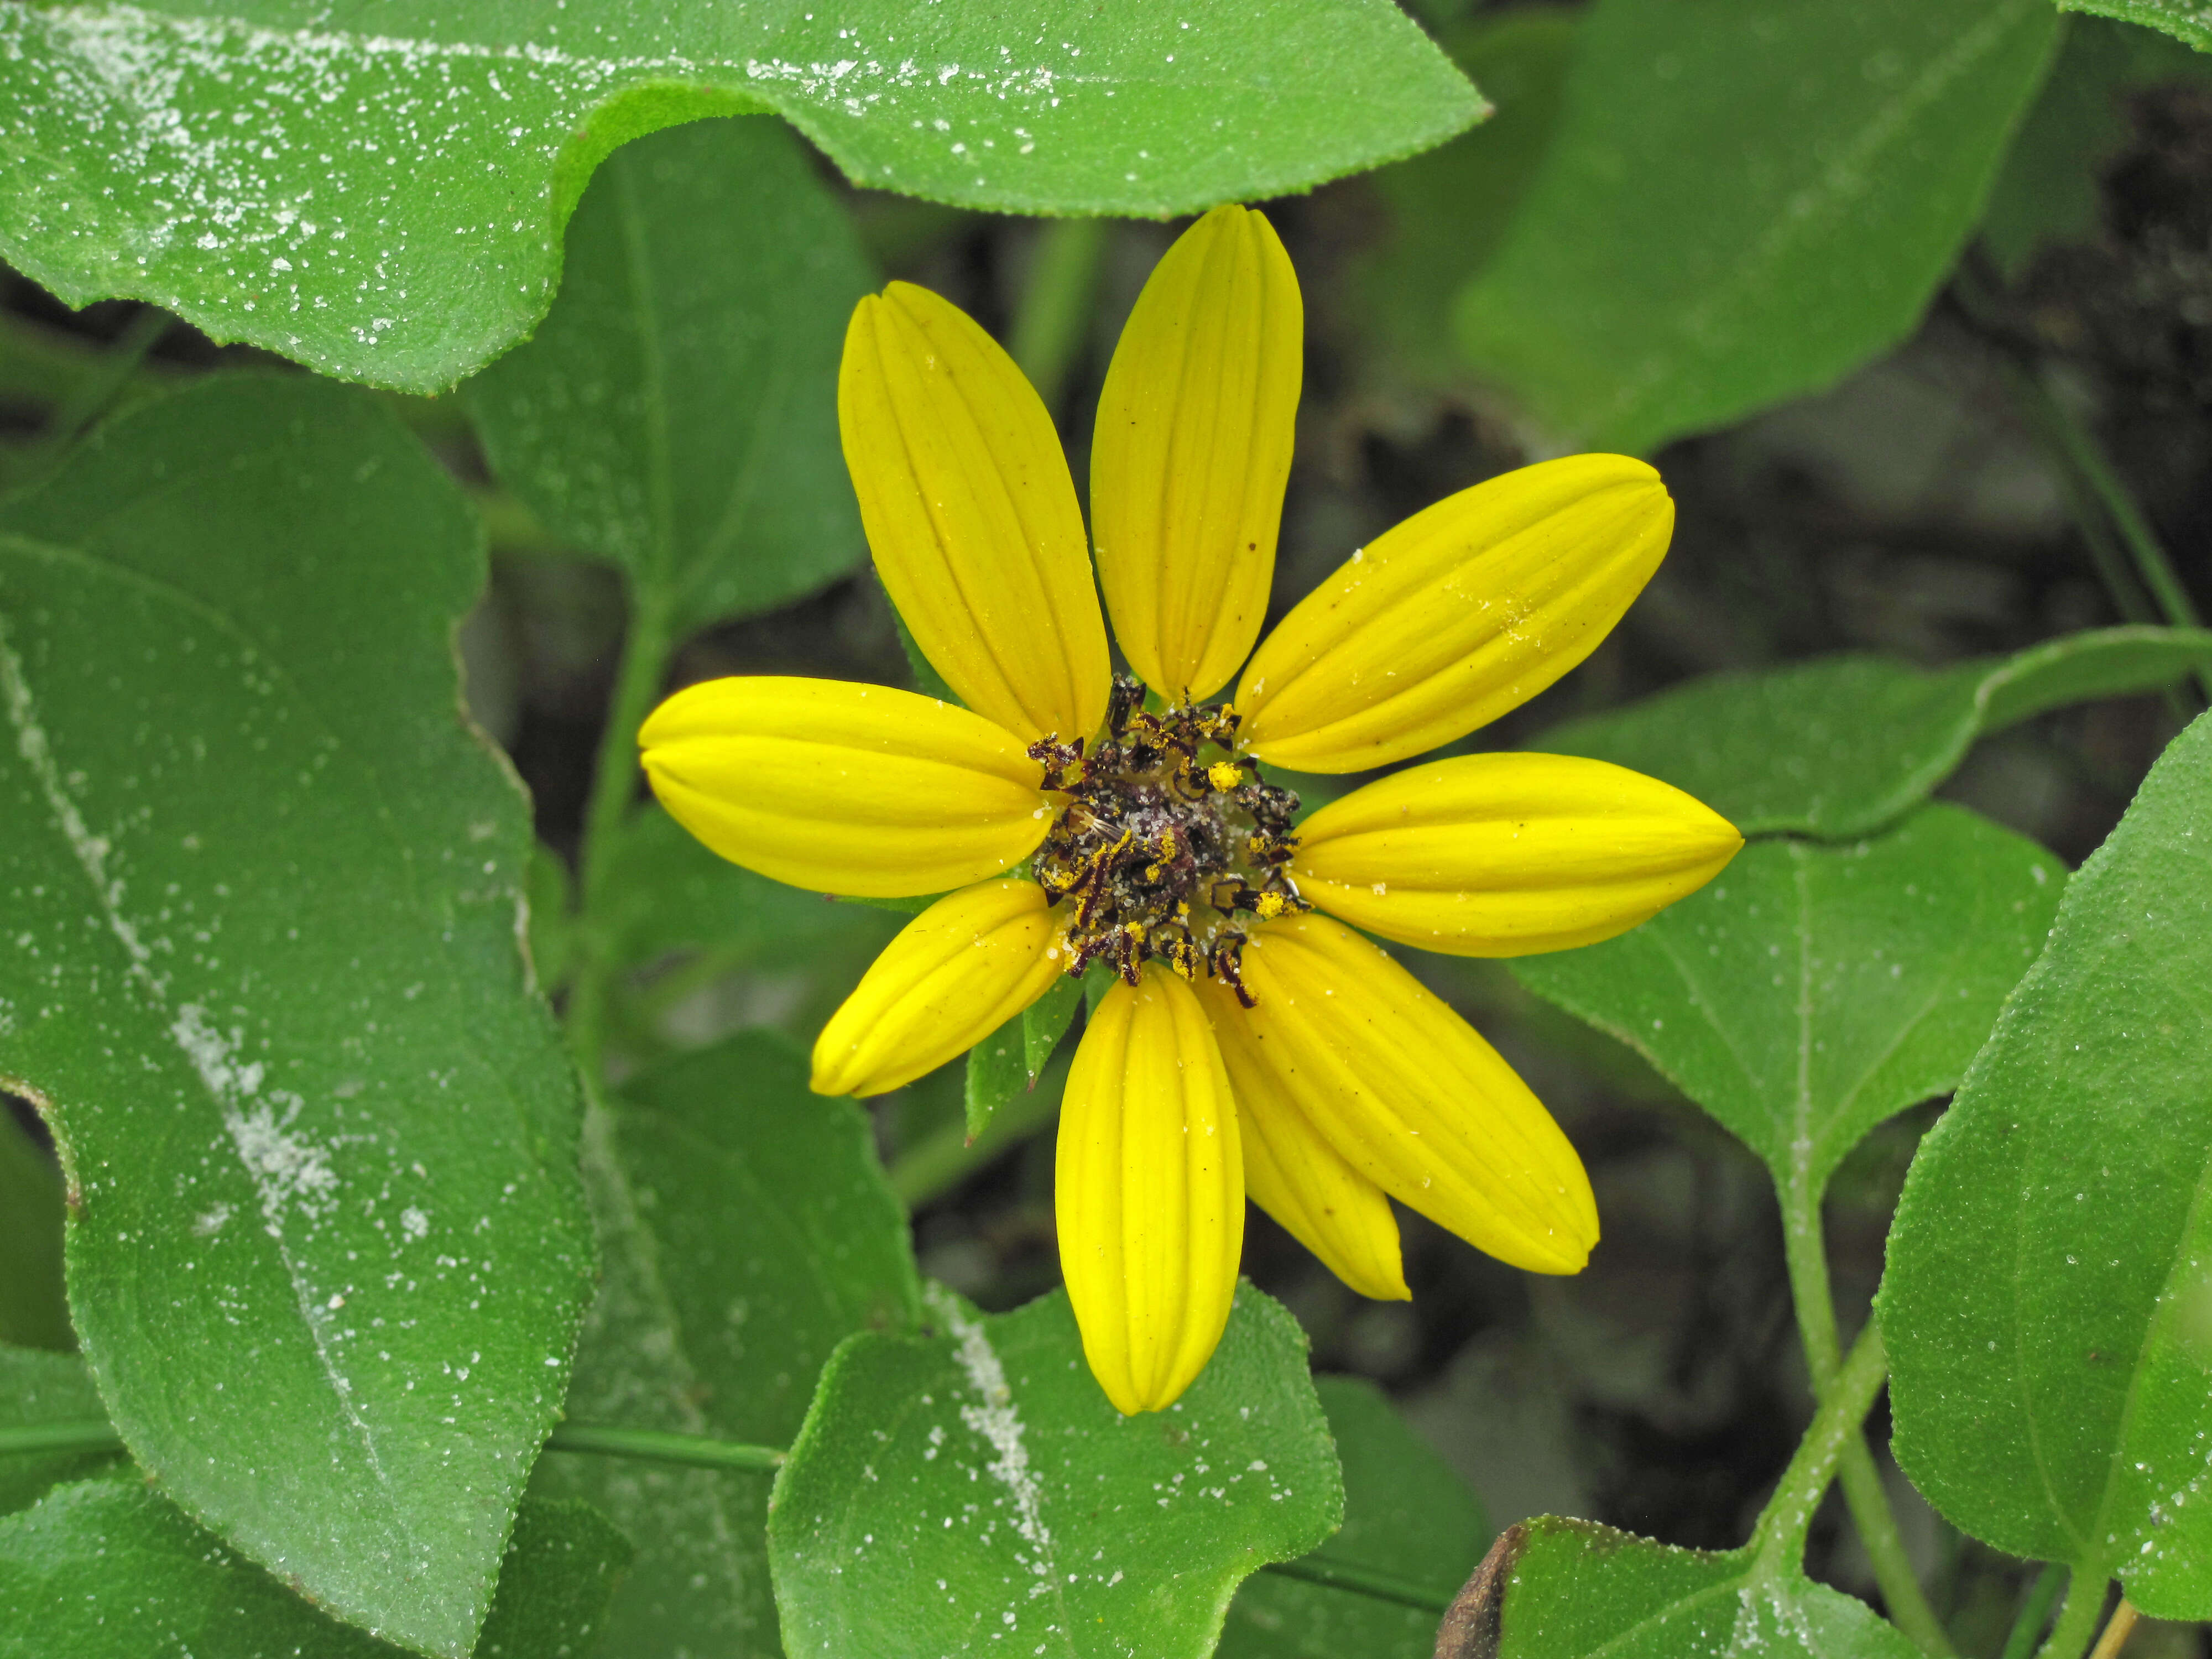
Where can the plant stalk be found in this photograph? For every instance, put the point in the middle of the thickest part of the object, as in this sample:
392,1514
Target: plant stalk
1865,1494
1054,312
2103,505
661,1446
646,643
57,1438
1779,1538
1363,1581
2117,1630
703,1452
2085,1600
2034,1612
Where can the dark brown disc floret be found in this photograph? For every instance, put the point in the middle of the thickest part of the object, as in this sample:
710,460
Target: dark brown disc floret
1169,844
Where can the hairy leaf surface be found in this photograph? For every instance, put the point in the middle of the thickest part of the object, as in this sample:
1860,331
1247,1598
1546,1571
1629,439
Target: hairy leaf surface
2048,1303
327,1251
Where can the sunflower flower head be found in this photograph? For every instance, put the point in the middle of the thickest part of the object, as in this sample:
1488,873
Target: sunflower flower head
1252,1043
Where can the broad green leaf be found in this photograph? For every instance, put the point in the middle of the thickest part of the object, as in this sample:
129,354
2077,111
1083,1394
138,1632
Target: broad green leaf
327,1253
1811,991
676,410
110,1569
667,893
1744,200
1842,745
746,1230
1579,1588
40,1387
970,1490
380,194
33,1311
1448,210
2048,190
1405,1514
2048,1305
2185,20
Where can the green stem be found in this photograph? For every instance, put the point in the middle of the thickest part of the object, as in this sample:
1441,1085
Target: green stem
700,1451
2077,1618
88,1436
1780,1535
942,1159
83,403
1363,1581
659,1446
2034,1612
1865,1494
646,645
2116,1629
696,1452
1054,312
2087,459
2098,497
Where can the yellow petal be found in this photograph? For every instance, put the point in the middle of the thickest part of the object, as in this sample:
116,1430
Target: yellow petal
844,788
1465,611
971,515
1412,1099
1150,1192
1501,855
1191,452
955,974
1297,1176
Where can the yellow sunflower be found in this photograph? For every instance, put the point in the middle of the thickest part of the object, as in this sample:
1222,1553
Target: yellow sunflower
1249,1044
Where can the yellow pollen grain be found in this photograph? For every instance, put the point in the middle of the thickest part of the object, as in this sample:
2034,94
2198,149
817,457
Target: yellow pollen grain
1224,775
1269,905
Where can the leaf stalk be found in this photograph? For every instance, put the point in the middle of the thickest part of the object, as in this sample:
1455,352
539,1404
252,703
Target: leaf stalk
1805,1245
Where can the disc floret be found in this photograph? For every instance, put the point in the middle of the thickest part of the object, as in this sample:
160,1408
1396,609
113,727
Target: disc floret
1170,844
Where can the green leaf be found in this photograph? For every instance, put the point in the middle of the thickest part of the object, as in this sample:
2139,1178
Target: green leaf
746,1230
381,196
676,411
1745,200
1840,746
2185,20
1580,1589
1405,1514
960,1490
1811,991
110,1569
1448,210
38,1388
34,1310
998,1073
2048,1300
1045,1021
2048,192
327,1254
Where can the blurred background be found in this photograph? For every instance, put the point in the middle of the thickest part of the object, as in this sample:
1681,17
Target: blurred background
1933,500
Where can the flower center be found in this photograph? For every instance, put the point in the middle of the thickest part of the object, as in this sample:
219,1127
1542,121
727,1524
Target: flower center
1168,843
